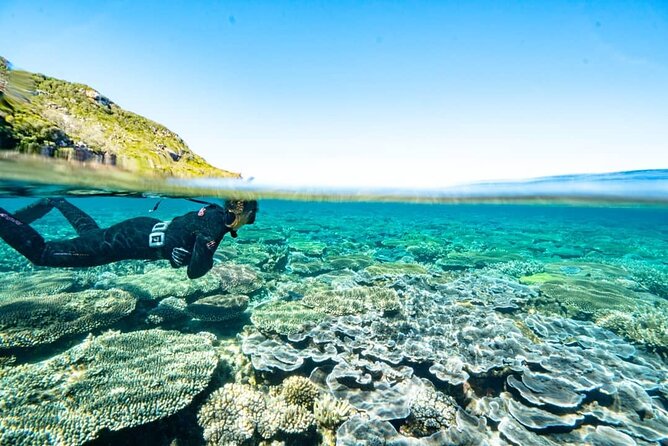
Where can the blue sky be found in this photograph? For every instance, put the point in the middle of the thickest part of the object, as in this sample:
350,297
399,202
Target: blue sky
371,93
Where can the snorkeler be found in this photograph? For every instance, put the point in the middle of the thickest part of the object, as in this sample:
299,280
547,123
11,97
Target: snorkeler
190,239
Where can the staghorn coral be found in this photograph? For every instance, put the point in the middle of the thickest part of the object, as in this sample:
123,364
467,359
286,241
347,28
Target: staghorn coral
329,413
113,381
32,320
6,361
653,278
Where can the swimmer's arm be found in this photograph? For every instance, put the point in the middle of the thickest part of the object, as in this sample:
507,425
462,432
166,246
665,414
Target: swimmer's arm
202,256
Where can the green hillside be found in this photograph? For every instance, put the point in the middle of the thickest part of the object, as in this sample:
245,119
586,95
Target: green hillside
55,118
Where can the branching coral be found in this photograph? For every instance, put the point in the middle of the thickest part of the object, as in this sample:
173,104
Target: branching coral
237,413
113,381
300,391
648,328
330,412
230,414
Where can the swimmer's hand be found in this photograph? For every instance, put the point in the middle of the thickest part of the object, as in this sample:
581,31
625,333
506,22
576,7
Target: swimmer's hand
180,256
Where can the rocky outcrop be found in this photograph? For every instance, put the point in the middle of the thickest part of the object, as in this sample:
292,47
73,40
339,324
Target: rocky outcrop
75,122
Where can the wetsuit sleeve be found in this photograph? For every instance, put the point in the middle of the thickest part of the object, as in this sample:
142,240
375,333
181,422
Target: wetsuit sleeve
202,257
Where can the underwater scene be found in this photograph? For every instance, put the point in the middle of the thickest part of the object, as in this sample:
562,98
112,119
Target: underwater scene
347,323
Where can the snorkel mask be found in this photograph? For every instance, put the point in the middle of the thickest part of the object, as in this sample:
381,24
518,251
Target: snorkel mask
243,212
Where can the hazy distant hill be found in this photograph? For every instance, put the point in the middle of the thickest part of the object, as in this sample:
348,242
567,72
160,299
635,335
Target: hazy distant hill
75,122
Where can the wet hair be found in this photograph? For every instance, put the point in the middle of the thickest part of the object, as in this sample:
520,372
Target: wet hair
241,206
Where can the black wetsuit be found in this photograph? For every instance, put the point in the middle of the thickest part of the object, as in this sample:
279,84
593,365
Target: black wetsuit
197,233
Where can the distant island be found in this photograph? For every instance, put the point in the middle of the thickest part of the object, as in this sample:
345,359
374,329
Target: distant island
74,122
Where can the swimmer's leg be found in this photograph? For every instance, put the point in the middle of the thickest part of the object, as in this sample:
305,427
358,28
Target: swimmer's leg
21,237
80,221
34,211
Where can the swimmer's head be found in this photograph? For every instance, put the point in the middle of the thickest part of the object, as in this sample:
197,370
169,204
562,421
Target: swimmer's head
240,212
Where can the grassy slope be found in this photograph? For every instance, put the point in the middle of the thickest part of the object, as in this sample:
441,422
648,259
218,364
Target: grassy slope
65,120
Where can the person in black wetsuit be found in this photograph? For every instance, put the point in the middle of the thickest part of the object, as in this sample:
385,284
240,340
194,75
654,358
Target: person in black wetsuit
189,240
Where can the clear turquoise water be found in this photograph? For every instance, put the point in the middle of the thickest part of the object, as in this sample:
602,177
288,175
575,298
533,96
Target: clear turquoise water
425,324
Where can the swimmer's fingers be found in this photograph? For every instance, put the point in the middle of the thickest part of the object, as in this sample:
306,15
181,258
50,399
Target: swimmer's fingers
179,255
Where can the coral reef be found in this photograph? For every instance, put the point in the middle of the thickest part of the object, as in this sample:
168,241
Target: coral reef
553,376
431,411
300,391
285,317
232,414
160,283
169,309
353,301
39,283
239,414
518,268
236,279
353,262
644,326
113,381
330,412
469,328
219,307
395,269
603,294
307,246
40,319
236,414
304,266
